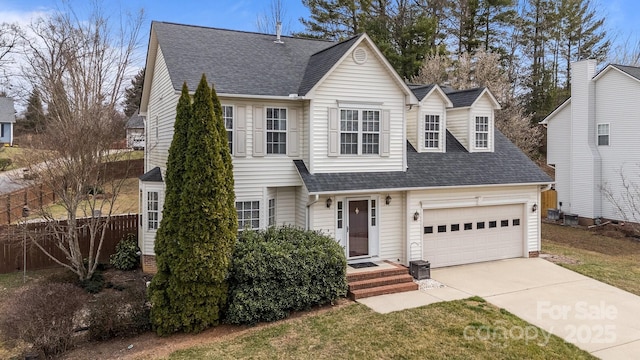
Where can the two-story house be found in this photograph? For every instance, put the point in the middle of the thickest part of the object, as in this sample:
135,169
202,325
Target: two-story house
592,144
327,136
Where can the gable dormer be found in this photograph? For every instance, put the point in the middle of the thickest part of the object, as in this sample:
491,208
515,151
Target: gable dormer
427,122
471,119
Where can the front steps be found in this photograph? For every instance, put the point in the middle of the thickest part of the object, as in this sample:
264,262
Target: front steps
380,282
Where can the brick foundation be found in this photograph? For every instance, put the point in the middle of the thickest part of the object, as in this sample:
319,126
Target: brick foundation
534,254
149,264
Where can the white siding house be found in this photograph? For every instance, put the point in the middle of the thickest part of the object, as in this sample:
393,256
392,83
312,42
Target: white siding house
365,158
591,141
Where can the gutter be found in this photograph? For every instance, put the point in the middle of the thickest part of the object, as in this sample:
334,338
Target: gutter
362,191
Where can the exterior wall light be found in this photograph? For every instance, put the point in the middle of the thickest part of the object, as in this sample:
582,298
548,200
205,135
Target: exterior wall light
534,208
387,200
329,202
416,216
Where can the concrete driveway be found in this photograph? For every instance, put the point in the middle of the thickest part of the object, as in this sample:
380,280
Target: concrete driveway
596,317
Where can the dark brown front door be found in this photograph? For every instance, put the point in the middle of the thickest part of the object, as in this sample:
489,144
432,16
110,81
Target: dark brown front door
358,228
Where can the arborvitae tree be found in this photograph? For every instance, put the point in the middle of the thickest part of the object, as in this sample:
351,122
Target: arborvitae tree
208,224
34,117
163,291
133,94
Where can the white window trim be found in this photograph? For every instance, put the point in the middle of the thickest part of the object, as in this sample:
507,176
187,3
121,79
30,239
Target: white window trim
608,134
423,130
259,213
473,132
286,131
148,211
360,110
272,218
233,125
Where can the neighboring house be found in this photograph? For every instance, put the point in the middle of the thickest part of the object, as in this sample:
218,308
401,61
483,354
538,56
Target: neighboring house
7,120
592,140
135,132
327,136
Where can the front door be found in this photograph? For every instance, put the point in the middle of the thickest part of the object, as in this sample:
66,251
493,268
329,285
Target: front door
358,228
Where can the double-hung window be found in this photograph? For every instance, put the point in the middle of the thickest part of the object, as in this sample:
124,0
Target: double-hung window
603,134
272,212
152,210
432,131
359,132
276,131
482,132
227,116
248,214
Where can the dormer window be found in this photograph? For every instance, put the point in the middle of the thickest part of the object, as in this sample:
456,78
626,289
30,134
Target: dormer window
482,132
432,131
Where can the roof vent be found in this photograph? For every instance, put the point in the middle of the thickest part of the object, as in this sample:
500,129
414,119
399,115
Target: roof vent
278,33
360,55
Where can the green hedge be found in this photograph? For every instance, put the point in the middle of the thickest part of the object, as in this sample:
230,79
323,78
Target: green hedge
283,269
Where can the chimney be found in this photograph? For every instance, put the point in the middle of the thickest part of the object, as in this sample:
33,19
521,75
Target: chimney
278,33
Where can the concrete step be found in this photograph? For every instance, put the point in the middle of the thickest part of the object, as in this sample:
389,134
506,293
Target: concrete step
382,290
374,274
382,281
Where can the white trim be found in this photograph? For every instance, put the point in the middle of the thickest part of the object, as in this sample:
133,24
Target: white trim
608,134
464,202
608,68
361,191
554,112
364,105
444,96
266,130
372,241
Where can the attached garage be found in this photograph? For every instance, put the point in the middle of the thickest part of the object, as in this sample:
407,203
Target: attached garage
455,236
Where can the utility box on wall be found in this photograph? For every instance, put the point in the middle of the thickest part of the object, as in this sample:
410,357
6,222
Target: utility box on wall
420,269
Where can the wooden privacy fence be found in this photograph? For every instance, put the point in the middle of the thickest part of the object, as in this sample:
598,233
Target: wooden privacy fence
12,237
39,195
549,201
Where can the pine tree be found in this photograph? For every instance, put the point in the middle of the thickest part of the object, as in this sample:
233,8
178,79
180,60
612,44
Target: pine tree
34,117
167,248
133,94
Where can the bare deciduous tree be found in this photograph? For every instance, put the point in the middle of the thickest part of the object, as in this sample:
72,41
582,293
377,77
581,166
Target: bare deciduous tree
276,14
79,67
483,69
625,198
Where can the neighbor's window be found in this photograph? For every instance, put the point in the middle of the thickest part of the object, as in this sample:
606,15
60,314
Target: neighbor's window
482,132
432,131
227,116
248,214
603,134
272,212
152,210
276,131
359,132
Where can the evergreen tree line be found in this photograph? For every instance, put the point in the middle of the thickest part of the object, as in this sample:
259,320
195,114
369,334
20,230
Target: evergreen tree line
536,40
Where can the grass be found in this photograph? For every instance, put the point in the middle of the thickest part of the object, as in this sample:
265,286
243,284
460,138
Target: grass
610,259
435,331
16,154
126,202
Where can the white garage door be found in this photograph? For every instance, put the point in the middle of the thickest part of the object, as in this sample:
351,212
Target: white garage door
467,235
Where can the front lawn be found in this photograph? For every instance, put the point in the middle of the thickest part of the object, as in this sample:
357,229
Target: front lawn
612,260
435,331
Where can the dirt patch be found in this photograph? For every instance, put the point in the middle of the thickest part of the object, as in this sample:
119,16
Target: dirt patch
559,259
151,346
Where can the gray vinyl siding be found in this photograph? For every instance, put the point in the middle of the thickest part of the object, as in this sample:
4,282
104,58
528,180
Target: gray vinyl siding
458,125
559,153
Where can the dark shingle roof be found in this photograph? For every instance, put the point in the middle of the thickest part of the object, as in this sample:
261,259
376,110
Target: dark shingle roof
7,111
455,167
463,98
631,70
135,122
250,63
153,175
420,91
320,63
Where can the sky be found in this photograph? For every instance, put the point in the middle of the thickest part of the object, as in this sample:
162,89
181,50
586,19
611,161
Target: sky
620,15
